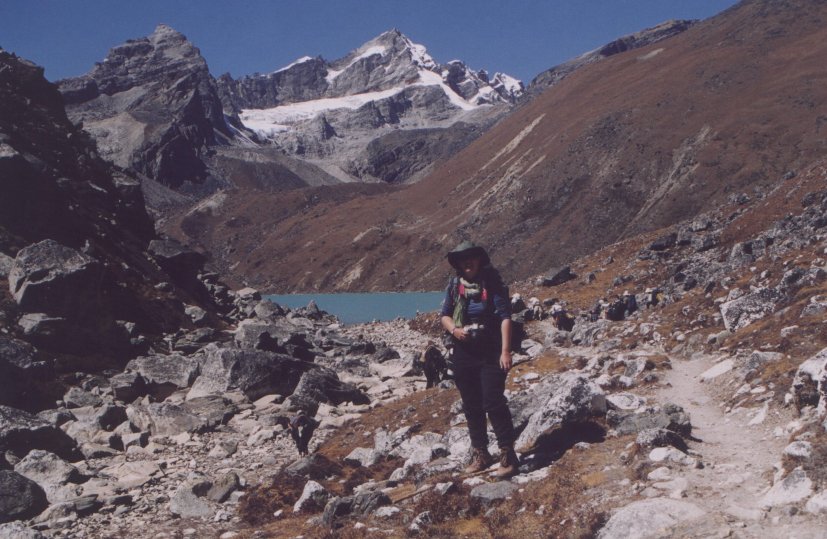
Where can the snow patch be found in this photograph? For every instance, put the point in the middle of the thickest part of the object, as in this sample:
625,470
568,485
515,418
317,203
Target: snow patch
429,78
366,53
301,60
279,119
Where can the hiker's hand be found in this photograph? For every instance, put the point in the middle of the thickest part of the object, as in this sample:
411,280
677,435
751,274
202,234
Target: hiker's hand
505,360
460,334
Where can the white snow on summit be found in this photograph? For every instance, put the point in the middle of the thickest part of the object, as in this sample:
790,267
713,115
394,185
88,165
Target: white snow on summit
301,60
366,53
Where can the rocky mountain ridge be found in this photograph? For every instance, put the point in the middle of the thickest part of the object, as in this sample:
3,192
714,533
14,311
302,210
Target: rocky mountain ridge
633,143
645,37
152,105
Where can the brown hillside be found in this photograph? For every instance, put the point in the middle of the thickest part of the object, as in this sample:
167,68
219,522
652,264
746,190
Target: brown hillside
631,144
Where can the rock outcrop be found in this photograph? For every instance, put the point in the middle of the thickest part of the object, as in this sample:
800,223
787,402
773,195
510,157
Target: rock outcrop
151,105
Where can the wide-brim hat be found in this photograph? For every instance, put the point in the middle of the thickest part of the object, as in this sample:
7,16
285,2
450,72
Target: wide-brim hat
467,249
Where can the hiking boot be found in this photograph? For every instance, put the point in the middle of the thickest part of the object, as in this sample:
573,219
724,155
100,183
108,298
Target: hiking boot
480,460
509,462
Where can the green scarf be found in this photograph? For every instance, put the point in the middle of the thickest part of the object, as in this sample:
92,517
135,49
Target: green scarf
473,291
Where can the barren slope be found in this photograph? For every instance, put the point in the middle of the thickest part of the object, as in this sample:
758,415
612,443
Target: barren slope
631,144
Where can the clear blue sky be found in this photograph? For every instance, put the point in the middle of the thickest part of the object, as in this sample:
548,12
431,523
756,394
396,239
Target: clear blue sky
520,37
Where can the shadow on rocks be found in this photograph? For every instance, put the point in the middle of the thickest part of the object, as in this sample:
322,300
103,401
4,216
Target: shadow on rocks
553,446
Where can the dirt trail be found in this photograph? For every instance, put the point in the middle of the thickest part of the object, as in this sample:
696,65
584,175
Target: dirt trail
738,460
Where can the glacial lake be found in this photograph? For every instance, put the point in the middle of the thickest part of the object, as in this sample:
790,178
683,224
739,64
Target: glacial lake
358,308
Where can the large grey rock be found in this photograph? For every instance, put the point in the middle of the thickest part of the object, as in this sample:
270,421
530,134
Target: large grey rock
257,334
223,487
560,399
558,276
669,416
127,386
649,518
164,374
589,333
17,530
190,501
745,310
20,498
51,473
794,488
77,397
323,385
24,381
52,278
314,497
489,493
197,415
810,383
254,372
360,504
20,432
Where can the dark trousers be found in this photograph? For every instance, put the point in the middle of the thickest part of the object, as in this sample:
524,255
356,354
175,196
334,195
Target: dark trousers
481,383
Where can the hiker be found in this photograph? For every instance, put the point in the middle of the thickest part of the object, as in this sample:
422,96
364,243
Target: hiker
434,365
476,312
561,319
629,302
301,429
615,310
652,296
535,308
596,311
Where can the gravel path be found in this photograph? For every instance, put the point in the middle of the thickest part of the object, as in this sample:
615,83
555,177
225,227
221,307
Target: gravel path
738,451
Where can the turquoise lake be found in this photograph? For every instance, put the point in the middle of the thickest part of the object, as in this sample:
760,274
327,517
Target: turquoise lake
357,308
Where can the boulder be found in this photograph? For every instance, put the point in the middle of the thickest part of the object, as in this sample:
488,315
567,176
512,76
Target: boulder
127,386
254,372
52,278
323,385
560,399
489,493
256,334
745,310
201,414
660,437
51,473
313,498
649,518
190,501
588,333
20,498
174,258
24,381
669,416
558,276
20,432
817,306
809,386
223,487
77,397
664,242
794,488
17,530
130,475
360,504
163,374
